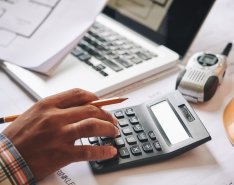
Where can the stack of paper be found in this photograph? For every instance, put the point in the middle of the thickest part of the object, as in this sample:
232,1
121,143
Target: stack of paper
38,34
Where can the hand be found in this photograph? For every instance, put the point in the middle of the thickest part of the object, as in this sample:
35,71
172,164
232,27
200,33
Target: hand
45,134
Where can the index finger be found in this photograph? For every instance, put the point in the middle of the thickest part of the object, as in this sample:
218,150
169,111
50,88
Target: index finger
72,98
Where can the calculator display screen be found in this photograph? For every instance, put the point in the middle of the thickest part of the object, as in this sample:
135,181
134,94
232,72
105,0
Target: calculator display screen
169,122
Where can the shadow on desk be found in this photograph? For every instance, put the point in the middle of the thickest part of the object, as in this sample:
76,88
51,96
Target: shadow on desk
194,159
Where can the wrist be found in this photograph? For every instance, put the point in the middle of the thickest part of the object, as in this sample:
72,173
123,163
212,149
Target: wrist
13,166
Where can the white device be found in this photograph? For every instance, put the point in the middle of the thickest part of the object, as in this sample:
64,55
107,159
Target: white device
73,73
122,47
203,74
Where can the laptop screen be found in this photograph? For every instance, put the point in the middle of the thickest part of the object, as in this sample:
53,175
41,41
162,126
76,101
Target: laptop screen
173,23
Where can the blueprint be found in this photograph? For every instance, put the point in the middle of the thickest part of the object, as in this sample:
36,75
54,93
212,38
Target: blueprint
23,17
29,30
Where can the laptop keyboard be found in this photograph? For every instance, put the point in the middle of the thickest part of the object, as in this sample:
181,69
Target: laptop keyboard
111,49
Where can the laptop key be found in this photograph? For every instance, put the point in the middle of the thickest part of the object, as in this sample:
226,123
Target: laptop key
77,52
112,65
84,57
100,67
143,56
104,73
136,60
123,62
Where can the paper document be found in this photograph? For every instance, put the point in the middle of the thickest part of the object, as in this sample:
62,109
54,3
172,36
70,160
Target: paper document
38,34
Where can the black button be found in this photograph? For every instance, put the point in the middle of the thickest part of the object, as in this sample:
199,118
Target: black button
100,67
136,150
108,142
123,122
157,145
104,138
152,135
127,131
129,112
123,62
147,147
77,51
112,65
133,120
119,142
124,153
103,73
142,137
143,56
93,140
119,114
131,140
138,128
136,60
84,57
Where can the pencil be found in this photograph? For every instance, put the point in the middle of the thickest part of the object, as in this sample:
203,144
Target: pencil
97,103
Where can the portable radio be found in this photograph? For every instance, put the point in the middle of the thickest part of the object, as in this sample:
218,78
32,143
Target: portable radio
204,72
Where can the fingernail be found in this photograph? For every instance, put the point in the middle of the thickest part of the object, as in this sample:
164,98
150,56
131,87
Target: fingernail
116,131
113,151
115,121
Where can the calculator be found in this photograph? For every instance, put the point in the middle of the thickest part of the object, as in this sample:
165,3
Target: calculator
153,131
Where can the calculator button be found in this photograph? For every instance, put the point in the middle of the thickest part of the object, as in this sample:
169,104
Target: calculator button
131,140
147,147
133,120
127,131
136,150
152,135
124,153
123,122
142,137
104,138
93,140
129,112
108,142
119,114
138,128
157,145
119,142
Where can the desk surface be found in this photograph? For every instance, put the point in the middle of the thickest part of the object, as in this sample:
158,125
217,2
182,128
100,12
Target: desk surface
211,163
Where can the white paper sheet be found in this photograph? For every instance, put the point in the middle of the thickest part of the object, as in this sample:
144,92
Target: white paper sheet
38,34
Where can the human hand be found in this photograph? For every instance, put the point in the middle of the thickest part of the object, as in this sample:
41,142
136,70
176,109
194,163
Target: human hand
45,134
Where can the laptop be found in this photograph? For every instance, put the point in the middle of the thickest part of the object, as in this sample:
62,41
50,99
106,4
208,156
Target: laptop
131,40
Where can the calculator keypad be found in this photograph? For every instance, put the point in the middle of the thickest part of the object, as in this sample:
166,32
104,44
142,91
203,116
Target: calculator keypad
132,140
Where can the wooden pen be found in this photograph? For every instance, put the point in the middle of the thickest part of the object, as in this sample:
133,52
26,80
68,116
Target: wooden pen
97,103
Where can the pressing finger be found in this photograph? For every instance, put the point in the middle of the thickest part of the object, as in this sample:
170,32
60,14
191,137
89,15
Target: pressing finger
89,128
91,153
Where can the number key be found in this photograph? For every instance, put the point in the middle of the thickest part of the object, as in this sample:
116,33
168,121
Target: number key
129,112
136,150
119,114
124,153
133,120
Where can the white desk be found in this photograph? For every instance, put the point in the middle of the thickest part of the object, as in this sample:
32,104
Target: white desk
211,163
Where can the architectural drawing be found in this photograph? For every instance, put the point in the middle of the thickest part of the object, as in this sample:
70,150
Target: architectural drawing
23,17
